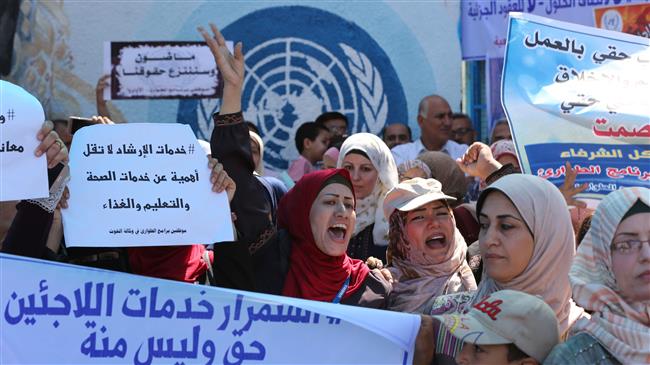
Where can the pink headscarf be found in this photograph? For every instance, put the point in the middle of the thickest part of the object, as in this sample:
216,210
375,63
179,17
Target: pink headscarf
503,147
622,327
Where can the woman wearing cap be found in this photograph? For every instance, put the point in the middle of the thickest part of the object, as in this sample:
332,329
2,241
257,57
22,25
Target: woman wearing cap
426,253
373,172
527,244
610,277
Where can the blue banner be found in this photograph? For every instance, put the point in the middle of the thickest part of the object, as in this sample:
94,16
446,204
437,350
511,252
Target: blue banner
580,95
62,314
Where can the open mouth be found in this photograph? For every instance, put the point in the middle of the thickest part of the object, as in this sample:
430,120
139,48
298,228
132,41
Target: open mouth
436,241
337,231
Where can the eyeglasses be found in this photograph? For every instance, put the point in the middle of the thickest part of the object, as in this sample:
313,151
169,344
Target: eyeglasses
461,131
443,115
628,247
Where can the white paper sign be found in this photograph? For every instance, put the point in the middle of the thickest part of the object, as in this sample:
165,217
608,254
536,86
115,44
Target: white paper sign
161,70
142,184
22,174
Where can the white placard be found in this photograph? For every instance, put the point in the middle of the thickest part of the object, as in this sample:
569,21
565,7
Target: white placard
22,174
161,70
142,184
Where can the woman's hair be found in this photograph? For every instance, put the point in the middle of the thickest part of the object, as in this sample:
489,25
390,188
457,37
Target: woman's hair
584,228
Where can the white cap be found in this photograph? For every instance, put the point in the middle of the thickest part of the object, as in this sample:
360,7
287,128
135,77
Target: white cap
505,317
412,194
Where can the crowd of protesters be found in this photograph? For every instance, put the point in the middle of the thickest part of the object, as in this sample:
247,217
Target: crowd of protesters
503,267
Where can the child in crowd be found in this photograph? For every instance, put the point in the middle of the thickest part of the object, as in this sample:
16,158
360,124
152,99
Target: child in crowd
506,327
312,140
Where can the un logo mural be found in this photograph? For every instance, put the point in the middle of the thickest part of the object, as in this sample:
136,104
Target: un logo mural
301,62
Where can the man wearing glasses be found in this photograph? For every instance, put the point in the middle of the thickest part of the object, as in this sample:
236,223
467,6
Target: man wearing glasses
462,130
434,119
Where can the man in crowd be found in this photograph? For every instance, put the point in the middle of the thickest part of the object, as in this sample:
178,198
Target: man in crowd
434,119
501,130
335,122
395,134
462,130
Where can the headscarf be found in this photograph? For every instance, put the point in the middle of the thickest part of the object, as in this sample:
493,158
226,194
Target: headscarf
620,326
382,160
444,169
545,212
332,153
411,164
257,139
417,280
313,274
503,147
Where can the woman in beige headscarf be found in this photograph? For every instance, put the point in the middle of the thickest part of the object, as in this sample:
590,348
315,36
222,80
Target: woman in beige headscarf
444,169
373,172
527,244
426,253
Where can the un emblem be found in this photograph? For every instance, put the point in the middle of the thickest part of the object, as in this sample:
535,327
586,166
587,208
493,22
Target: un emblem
301,62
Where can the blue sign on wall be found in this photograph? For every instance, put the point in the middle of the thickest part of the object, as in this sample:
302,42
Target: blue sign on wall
300,62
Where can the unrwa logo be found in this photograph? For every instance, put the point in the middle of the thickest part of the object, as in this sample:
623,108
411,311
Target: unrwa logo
301,62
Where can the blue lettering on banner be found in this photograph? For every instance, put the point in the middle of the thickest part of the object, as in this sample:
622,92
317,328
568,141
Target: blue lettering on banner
81,315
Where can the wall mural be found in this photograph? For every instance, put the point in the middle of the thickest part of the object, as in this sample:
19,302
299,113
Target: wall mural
370,61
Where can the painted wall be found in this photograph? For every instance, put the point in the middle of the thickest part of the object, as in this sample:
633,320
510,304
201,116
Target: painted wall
372,60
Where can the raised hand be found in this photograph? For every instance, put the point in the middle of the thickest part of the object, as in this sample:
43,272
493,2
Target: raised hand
478,161
230,66
569,190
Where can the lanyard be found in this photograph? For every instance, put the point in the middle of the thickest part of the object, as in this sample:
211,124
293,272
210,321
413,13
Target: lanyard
339,295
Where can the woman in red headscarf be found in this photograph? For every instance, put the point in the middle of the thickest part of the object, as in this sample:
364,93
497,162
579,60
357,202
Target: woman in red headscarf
318,217
307,256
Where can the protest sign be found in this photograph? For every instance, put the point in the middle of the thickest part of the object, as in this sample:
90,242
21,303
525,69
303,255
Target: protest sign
76,315
22,174
484,24
142,184
580,95
632,19
161,70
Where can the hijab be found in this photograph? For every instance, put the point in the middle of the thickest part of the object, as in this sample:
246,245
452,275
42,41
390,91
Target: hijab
444,169
503,147
545,212
313,274
382,159
620,326
416,280
405,166
260,144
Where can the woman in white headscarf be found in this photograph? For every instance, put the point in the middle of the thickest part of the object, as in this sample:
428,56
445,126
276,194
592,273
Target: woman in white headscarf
373,172
257,150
